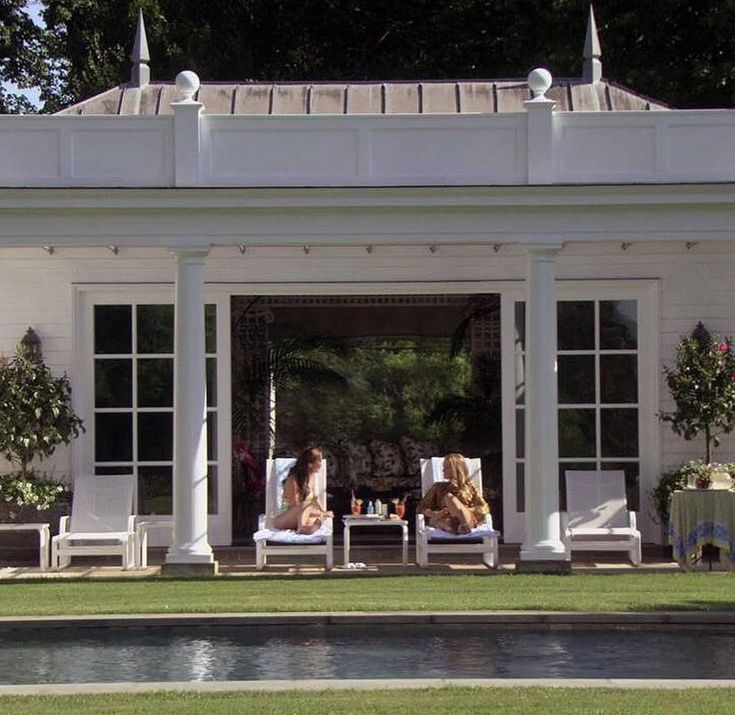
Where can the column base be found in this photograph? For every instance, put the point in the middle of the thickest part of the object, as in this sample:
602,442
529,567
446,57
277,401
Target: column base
546,566
190,569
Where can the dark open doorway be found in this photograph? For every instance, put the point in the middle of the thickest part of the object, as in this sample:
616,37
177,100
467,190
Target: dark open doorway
378,381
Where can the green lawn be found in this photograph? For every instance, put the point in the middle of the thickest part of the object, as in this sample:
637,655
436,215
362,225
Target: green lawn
623,592
509,701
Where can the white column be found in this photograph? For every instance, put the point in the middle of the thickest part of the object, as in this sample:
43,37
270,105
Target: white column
542,540
190,545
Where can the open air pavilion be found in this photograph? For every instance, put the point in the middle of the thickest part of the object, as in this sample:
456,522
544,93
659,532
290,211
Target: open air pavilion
600,219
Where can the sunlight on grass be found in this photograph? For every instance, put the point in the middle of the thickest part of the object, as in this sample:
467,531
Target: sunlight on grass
509,701
629,592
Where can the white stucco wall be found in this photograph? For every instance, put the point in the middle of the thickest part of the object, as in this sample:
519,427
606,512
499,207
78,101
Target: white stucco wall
695,284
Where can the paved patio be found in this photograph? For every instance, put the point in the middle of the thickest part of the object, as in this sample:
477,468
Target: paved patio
378,559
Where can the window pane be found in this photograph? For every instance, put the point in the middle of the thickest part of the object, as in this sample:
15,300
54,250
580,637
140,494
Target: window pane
520,321
113,437
113,329
211,382
113,383
571,466
632,482
577,433
155,436
211,436
520,373
576,378
619,432
212,489
155,486
155,328
618,324
520,433
576,325
117,469
520,488
156,382
210,328
619,378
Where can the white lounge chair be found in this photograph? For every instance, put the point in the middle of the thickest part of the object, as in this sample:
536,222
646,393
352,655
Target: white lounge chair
430,540
101,523
287,542
597,516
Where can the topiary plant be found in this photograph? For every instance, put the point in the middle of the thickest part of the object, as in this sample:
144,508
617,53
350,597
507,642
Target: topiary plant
702,384
36,416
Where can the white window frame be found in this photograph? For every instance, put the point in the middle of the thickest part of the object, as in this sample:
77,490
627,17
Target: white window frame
85,297
646,293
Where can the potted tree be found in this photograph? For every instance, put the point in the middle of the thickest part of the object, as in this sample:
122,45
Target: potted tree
702,383
36,416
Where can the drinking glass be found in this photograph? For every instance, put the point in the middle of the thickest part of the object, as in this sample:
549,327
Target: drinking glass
356,508
400,510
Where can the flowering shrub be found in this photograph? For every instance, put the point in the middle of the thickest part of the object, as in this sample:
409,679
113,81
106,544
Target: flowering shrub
702,384
28,490
253,476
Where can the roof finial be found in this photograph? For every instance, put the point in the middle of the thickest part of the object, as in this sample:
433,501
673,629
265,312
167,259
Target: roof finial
141,73
592,68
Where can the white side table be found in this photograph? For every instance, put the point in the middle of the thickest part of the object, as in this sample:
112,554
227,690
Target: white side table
44,539
350,521
141,539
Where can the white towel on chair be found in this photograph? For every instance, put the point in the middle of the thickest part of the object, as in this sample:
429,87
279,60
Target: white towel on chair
479,532
289,536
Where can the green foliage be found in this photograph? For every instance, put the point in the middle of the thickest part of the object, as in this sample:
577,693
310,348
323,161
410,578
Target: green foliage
35,410
29,490
20,56
684,55
295,363
702,384
393,387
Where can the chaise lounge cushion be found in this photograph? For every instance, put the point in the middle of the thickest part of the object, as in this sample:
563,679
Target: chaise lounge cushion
289,536
479,532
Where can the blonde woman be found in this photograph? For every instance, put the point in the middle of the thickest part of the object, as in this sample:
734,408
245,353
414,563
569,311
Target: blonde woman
301,510
455,505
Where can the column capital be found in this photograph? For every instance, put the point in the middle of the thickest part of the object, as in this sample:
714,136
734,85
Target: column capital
190,252
548,248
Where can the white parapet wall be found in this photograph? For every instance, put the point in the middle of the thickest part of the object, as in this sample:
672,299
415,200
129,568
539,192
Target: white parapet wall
385,150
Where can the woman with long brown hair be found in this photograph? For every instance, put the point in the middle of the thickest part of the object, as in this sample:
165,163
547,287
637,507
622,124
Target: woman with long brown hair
456,504
301,509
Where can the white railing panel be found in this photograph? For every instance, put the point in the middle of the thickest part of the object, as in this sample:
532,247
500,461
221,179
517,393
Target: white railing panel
644,147
363,151
28,152
595,148
86,151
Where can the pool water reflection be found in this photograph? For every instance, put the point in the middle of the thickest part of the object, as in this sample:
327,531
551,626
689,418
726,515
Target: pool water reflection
367,651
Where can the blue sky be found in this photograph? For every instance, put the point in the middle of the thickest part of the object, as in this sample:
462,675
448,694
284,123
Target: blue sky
34,8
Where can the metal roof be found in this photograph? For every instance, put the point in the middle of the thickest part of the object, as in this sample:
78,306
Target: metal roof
333,98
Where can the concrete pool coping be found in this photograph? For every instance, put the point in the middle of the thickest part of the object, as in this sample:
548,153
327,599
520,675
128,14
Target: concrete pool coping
229,686
549,619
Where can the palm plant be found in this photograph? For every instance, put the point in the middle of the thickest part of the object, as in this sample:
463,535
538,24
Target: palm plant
288,363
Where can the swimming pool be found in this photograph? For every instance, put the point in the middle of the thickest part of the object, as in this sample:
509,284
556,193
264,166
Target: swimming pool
303,652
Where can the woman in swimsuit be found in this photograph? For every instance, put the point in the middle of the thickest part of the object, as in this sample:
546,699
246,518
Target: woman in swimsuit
455,505
302,511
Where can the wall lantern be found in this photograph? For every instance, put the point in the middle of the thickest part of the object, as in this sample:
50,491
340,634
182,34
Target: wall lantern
32,343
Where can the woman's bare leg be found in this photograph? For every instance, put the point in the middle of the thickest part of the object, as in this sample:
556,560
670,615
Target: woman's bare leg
288,519
459,511
310,519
